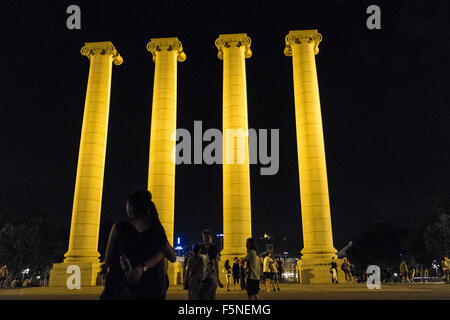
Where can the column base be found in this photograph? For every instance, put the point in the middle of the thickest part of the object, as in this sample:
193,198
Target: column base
89,274
175,273
315,267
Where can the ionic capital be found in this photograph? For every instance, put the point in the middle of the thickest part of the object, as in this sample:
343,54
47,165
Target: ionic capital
104,47
302,36
169,44
236,39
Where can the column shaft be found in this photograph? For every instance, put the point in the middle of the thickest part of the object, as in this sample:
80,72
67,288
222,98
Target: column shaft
233,49
83,242
161,178
84,230
316,218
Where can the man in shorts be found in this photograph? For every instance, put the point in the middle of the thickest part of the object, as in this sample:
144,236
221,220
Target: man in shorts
267,272
253,270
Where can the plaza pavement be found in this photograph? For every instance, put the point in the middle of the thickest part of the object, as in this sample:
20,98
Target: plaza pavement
289,291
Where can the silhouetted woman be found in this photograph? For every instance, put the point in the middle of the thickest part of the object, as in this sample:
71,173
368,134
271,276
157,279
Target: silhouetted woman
136,252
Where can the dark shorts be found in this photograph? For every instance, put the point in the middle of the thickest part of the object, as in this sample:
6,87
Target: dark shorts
268,275
252,287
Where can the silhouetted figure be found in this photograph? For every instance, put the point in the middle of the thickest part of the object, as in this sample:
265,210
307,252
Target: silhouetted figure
135,256
334,271
274,274
404,272
227,271
210,277
235,272
445,269
346,267
194,273
280,270
253,268
242,275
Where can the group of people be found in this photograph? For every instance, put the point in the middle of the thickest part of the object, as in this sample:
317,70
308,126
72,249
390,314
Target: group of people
137,255
405,274
346,267
8,280
235,273
271,272
135,265
408,274
202,274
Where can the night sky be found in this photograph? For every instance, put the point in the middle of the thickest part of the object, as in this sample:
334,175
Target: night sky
384,98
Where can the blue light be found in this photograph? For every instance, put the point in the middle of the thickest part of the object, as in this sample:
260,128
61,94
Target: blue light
178,240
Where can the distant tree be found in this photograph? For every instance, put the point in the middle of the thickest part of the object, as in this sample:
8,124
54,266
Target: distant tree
19,247
34,243
383,244
416,249
437,236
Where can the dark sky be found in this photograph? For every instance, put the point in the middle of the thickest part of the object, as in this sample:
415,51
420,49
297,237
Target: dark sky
384,97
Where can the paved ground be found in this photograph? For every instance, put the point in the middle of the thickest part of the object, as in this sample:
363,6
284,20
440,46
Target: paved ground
290,291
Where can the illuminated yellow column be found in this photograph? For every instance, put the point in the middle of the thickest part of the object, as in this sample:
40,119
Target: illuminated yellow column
233,49
318,249
161,174
84,230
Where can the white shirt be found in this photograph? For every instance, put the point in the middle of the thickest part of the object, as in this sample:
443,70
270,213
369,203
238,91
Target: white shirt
266,266
253,265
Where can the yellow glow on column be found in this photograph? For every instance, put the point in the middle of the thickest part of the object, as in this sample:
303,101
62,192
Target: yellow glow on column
302,45
84,230
233,49
161,176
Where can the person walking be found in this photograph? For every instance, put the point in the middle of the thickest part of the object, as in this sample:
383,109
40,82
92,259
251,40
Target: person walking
210,277
262,277
266,270
3,273
242,274
253,268
334,271
425,274
274,275
445,268
280,270
345,266
413,274
194,273
235,273
404,271
135,260
227,271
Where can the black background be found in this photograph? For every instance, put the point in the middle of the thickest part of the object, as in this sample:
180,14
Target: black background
384,97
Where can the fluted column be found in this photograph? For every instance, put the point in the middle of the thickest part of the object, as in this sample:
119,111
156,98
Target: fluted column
161,175
233,49
84,230
318,249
